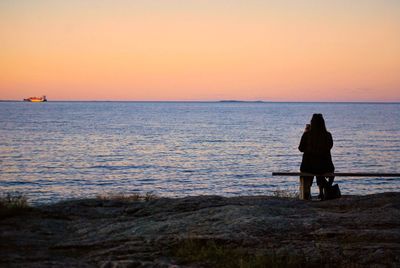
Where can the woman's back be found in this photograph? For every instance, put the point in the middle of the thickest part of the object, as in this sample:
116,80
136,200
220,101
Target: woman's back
316,145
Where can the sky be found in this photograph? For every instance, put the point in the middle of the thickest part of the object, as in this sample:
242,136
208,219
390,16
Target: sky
200,50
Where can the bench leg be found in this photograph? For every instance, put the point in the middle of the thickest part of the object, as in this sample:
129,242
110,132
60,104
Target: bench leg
305,188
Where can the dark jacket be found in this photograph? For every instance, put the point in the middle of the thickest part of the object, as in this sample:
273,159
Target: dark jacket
317,154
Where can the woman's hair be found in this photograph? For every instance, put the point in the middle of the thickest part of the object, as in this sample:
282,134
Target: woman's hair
319,140
318,123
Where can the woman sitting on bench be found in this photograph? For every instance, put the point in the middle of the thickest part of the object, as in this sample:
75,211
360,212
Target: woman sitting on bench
316,144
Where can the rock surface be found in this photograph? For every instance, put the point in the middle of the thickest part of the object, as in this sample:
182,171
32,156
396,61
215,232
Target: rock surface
353,231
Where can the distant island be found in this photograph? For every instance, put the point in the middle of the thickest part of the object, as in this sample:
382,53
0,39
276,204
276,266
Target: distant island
235,101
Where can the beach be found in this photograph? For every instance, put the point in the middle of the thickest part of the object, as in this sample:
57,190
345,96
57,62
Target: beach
205,168
205,231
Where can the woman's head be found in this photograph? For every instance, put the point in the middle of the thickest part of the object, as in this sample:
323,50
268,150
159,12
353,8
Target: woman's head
318,123
319,138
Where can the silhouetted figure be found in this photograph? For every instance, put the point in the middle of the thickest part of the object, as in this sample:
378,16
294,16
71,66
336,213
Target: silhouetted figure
316,144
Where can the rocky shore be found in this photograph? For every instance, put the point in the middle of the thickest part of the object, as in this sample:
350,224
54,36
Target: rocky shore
206,231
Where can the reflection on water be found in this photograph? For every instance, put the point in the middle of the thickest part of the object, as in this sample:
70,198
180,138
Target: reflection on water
52,151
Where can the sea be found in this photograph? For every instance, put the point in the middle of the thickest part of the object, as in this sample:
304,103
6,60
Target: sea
62,150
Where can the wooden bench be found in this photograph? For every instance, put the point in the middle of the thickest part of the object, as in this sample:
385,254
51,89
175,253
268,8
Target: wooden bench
305,185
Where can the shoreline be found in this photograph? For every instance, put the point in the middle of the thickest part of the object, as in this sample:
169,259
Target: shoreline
292,194
205,231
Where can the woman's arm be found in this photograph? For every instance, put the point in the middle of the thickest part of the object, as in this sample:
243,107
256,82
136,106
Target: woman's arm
303,143
330,141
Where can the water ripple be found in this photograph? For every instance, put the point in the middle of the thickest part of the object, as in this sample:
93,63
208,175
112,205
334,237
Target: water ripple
178,149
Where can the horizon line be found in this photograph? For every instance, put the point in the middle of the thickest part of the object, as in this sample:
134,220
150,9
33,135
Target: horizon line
215,101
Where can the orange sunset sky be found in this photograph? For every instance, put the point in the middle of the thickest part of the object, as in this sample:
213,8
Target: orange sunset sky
298,50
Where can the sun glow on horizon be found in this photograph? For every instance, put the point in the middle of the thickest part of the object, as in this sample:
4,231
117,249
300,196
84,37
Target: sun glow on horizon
200,50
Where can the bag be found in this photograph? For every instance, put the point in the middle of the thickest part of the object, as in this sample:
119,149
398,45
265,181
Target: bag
332,192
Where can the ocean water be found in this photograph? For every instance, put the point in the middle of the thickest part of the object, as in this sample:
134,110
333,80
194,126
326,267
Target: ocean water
60,150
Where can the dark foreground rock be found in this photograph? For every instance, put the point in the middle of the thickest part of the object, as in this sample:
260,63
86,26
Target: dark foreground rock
206,231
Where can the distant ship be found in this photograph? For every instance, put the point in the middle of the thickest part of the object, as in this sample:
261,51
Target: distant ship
36,99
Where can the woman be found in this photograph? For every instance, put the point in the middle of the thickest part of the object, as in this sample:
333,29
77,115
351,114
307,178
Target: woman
316,144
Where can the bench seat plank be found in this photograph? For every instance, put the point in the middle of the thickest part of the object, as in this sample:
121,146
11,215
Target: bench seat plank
338,174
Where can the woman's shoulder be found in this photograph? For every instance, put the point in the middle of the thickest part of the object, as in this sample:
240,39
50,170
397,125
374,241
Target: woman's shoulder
329,135
306,134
